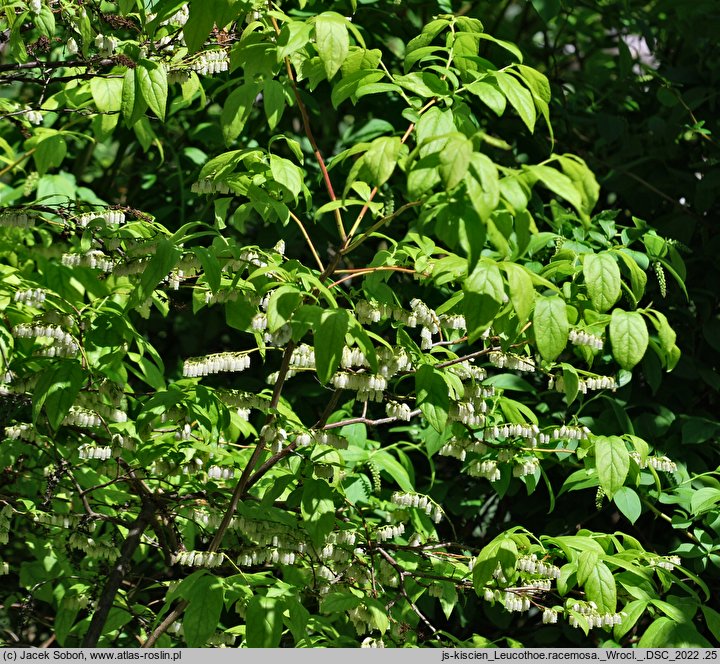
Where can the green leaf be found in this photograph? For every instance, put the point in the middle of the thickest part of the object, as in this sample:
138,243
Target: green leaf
484,292
612,461
203,613
628,337
571,382
380,160
273,101
159,266
339,602
519,97
489,94
132,103
522,291
385,461
602,279
502,550
704,499
199,24
152,79
264,622
237,109
318,509
432,396
712,620
600,588
558,183
107,93
551,326
329,342
239,313
287,174
281,306
49,153
628,502
586,563
57,390
666,633
633,610
331,41
455,160
434,123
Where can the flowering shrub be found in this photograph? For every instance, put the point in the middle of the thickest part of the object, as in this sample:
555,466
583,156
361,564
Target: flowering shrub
292,329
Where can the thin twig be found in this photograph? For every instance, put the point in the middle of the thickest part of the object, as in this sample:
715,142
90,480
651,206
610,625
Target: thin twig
308,240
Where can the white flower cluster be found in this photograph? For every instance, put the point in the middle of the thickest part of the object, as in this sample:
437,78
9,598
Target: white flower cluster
453,322
111,217
515,602
209,186
34,117
582,338
94,259
221,296
421,502
218,473
242,400
33,297
91,401
458,448
526,466
260,556
549,617
359,381
465,370
389,532
487,469
303,357
593,617
197,559
584,384
81,417
64,345
511,361
106,43
570,433
400,411
92,452
211,62
216,363
662,463
321,438
668,562
72,46
16,220
35,6
464,411
530,432
94,549
369,642
20,432
531,565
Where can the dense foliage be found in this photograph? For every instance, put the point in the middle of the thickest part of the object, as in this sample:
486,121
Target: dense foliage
318,330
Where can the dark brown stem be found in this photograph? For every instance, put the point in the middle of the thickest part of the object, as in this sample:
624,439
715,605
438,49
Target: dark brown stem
107,598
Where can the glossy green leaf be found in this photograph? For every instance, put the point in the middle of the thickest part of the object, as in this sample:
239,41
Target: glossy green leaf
628,337
332,41
551,326
501,551
628,502
329,342
484,292
600,588
56,390
432,396
602,279
152,79
264,622
203,613
519,97
612,460
380,160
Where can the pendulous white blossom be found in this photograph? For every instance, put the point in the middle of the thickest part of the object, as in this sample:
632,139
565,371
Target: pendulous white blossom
582,338
216,363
